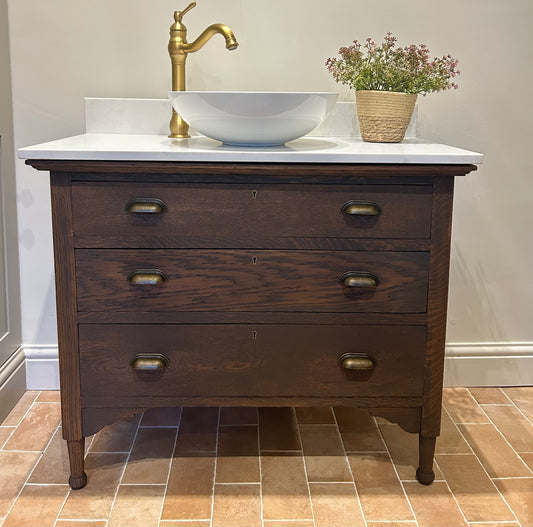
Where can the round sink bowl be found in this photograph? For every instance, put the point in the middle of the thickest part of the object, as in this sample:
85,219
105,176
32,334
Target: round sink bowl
253,118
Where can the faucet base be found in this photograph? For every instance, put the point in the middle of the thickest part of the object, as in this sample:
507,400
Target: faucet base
179,129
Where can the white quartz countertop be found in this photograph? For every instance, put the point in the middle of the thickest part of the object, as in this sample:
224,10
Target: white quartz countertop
133,147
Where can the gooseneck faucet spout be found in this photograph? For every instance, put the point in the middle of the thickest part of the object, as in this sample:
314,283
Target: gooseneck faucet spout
179,48
213,29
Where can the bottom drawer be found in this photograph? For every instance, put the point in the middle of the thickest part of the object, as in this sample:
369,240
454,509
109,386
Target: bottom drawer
250,360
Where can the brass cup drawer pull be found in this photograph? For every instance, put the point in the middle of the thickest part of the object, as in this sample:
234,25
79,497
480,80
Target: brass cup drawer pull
356,361
359,279
146,206
147,277
361,208
149,362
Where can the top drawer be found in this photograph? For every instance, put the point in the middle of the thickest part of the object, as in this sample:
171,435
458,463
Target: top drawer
166,214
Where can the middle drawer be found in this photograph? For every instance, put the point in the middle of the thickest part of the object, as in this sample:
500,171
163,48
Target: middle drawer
246,280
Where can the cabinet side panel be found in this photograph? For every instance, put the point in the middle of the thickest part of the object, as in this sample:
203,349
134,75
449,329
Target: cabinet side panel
437,304
67,328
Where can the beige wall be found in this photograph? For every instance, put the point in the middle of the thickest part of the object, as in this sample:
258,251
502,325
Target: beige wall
63,50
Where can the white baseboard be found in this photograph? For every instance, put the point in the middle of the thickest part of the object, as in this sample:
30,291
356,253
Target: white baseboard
42,367
489,364
472,364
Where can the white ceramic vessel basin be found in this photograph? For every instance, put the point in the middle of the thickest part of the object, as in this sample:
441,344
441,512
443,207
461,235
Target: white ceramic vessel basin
253,118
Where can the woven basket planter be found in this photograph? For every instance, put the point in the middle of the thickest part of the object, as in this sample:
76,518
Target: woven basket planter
384,115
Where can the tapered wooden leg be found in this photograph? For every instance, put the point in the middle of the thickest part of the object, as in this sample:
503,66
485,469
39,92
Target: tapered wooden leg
426,452
76,452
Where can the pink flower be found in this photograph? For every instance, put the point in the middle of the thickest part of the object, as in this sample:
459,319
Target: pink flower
385,67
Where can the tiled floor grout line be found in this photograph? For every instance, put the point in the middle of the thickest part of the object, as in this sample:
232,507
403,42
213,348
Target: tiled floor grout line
69,489
479,461
142,484
282,451
88,444
261,509
513,477
24,451
8,437
502,434
394,521
224,425
501,391
304,464
349,466
495,522
45,484
17,425
444,409
215,471
279,523
456,453
124,468
396,472
29,408
492,404
231,483
20,492
32,469
178,428
530,421
109,452
367,451
62,505
456,500
157,426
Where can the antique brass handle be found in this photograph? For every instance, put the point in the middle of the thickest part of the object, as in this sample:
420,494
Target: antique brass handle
146,206
179,14
147,277
356,361
359,279
361,208
149,362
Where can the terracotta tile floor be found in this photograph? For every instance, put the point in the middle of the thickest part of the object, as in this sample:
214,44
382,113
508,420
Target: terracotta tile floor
281,467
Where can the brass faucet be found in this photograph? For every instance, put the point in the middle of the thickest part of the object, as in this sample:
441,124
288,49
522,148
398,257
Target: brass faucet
179,48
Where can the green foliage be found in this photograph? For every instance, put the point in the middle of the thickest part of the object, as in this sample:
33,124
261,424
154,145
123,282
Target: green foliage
389,68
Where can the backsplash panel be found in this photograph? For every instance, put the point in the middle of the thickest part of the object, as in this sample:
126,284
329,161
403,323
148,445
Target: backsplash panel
151,116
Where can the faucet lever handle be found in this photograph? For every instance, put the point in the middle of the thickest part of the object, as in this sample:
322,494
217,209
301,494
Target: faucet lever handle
178,15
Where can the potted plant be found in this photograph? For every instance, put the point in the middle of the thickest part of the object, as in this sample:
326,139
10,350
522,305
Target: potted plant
387,80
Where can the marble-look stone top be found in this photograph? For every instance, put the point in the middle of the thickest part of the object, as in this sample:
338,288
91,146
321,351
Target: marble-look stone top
135,130
134,147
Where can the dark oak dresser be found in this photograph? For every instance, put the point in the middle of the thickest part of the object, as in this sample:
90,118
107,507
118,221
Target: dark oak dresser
259,284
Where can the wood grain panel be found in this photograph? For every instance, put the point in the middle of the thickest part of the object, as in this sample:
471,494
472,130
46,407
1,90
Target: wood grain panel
141,403
251,360
269,172
67,328
438,303
253,312
246,212
248,317
203,280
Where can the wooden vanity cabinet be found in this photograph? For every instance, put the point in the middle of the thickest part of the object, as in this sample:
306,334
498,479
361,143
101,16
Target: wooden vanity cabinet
221,284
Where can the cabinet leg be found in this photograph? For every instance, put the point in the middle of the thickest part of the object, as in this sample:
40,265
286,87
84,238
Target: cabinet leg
426,452
76,452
